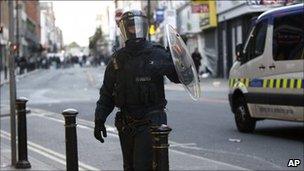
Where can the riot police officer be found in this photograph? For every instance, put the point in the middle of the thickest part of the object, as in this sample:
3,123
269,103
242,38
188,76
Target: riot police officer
134,83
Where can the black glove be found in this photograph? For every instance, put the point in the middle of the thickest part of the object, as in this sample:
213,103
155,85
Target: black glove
100,127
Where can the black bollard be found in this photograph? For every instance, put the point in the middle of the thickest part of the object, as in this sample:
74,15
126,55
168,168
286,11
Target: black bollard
160,147
22,134
71,139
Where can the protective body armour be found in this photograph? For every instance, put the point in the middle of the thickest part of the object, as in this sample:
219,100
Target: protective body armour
138,85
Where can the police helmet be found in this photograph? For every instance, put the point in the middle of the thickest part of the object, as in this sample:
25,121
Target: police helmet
133,25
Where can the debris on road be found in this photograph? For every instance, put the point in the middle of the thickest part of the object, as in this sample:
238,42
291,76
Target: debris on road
234,140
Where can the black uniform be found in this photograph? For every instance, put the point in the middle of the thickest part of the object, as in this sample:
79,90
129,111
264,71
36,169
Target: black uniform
134,83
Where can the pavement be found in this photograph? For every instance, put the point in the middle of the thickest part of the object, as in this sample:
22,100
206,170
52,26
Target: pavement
36,164
2,77
52,127
4,80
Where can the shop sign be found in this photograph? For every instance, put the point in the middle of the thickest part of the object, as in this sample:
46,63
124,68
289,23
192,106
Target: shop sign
207,12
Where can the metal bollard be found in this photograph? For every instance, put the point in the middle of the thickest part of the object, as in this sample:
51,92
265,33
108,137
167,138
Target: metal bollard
160,147
22,134
71,139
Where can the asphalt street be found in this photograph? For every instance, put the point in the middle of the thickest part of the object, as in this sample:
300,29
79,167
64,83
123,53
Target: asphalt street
203,128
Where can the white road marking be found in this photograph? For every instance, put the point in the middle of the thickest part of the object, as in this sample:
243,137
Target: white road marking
193,146
60,158
208,160
109,128
213,100
38,96
174,87
216,83
7,136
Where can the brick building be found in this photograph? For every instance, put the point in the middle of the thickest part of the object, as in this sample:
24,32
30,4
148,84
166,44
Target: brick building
4,34
33,14
32,27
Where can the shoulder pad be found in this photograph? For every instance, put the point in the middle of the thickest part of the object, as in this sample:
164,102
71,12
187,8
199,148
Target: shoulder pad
117,54
117,57
157,45
115,64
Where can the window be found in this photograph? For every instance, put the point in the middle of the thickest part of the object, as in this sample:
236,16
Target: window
30,26
288,37
256,45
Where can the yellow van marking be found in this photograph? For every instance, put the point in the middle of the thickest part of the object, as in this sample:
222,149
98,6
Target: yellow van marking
278,83
265,83
299,85
284,83
292,83
247,82
271,83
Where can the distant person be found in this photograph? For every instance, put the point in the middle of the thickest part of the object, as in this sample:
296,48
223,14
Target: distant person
196,56
84,59
22,63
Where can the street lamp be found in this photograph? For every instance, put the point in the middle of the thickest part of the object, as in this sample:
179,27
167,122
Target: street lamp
12,83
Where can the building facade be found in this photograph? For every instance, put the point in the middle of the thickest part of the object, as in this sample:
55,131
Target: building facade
27,29
208,36
234,23
59,39
188,27
106,21
32,27
166,11
4,35
51,35
214,27
196,23
222,25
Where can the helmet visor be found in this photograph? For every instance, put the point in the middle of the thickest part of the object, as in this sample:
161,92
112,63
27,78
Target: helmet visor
134,27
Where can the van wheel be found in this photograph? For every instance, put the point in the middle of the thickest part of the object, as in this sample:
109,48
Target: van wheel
244,122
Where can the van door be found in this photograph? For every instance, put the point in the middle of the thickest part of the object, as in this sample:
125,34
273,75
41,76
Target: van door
286,66
256,51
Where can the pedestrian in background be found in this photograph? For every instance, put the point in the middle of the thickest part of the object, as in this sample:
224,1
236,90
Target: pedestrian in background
196,56
22,63
133,82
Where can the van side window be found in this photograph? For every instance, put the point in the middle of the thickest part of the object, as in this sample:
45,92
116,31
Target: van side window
288,37
256,44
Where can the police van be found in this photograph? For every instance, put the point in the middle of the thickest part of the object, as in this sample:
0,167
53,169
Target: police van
266,81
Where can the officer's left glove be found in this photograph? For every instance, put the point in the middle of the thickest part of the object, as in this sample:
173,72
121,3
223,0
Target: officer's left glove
100,127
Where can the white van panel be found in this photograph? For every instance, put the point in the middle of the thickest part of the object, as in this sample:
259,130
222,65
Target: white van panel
291,113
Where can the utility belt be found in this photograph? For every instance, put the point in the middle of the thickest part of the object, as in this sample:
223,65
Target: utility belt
125,123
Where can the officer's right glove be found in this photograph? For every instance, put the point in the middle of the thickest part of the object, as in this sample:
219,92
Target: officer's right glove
100,127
